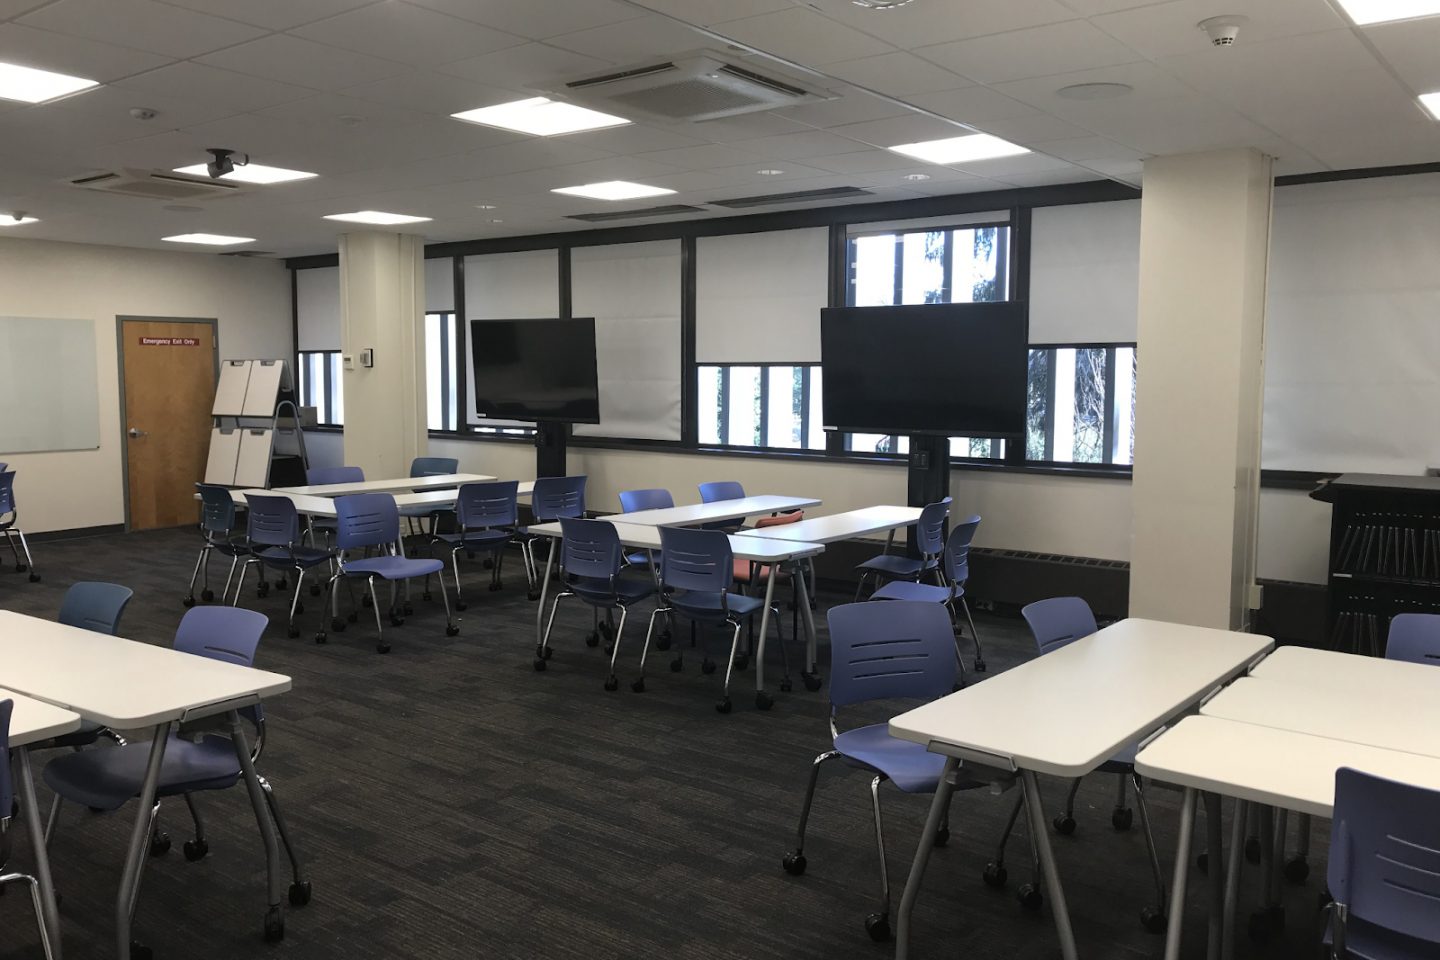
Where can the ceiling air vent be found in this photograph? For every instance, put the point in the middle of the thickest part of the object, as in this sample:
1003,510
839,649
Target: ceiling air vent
798,196
698,87
668,210
155,185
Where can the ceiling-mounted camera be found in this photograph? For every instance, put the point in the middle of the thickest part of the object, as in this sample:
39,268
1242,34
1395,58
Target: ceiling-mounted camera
223,161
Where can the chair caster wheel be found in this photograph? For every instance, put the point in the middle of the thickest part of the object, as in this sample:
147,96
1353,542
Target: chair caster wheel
532,595
638,686
878,926
382,647
19,568
663,641
1064,824
397,621
723,706
677,665
461,605
786,686
763,700
1252,849
207,595
451,630
1266,923
707,666
794,863
159,844
1030,897
612,683
1153,920
741,662
274,925
539,665
1122,819
995,874
138,951
542,652
592,639
942,837
299,893
321,638
34,578
979,665
1297,869
195,850
811,681
188,601
352,617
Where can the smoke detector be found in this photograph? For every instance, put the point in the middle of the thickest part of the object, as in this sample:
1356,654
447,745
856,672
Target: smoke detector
880,4
1222,30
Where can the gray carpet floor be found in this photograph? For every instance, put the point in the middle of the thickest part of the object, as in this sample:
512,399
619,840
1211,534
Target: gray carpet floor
452,802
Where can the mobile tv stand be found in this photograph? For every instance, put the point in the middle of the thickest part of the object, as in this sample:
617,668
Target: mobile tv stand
550,440
927,475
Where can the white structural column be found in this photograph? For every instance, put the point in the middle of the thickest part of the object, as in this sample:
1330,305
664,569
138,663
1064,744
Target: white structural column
1204,244
382,309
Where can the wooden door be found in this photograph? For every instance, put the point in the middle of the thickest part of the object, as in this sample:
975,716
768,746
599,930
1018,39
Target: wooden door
169,373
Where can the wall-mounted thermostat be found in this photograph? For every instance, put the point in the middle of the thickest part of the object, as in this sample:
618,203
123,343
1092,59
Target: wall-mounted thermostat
348,362
367,357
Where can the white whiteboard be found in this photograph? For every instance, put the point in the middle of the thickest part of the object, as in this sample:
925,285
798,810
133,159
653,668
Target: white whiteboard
48,391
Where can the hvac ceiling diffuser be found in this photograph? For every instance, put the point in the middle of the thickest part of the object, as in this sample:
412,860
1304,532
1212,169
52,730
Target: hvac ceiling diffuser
155,185
703,86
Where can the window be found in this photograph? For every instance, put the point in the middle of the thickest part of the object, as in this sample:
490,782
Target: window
322,387
442,403
774,406
1080,404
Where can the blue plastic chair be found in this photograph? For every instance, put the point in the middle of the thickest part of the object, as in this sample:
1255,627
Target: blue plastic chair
955,566
551,499
715,491
95,606
899,650
635,500
10,527
105,780
7,804
1414,637
592,569
217,526
322,476
430,467
486,516
697,569
369,521
276,543
1384,869
930,541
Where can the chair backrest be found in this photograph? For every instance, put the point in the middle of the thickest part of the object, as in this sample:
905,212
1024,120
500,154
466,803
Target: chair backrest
366,520
699,560
780,519
901,648
590,548
957,551
433,466
7,790
1058,621
1385,855
217,509
91,605
483,506
930,530
557,497
721,490
7,492
230,634
1414,637
656,499
273,522
319,476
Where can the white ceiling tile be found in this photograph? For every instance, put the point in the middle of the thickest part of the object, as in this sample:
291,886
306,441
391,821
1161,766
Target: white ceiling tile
636,138
537,19
533,66
920,24
707,12
745,127
1086,149
433,93
862,161
632,41
1177,125
142,24
350,111
13,8
233,91
977,105
400,31
1148,81
900,176
912,128
1411,48
293,60
803,35
73,55
1167,29
634,169
1093,8
897,74
705,156
814,143
1047,178
852,107
1032,130
271,14
1002,168
101,117
1035,52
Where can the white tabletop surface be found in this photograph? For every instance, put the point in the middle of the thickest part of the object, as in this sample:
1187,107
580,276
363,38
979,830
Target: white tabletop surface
1349,672
1392,722
310,506
116,682
841,526
1279,768
1069,711
697,513
744,548
387,486
35,720
314,506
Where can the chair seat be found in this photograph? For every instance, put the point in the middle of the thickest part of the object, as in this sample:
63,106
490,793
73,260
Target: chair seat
1367,941
762,572
106,778
393,568
305,557
908,765
706,606
910,590
896,565
477,539
87,734
626,591
231,548
639,558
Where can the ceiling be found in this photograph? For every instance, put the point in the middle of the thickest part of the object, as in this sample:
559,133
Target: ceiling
360,92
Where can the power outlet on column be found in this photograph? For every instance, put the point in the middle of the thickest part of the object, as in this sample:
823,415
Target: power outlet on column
1257,596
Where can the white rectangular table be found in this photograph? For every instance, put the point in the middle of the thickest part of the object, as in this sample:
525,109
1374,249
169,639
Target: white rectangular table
717,512
646,537
1330,670
390,485
34,721
126,685
1065,714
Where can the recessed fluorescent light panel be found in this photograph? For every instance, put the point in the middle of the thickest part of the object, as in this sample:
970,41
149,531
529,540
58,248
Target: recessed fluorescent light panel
976,146
250,173
29,85
376,217
209,239
613,190
1431,102
540,117
1381,11
16,220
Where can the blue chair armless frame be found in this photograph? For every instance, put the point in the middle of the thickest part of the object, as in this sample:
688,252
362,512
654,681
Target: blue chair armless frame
650,499
7,804
486,518
11,527
430,467
275,541
95,606
551,499
324,476
955,568
715,491
930,542
1414,637
217,526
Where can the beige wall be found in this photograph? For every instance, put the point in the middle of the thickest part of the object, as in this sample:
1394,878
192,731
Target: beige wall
250,298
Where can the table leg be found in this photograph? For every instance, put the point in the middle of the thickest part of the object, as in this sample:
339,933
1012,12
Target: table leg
544,591
803,598
1040,832
943,791
139,842
1213,825
1182,872
274,916
764,631
1232,878
50,916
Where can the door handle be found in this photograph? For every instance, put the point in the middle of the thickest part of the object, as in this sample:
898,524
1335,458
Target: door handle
136,433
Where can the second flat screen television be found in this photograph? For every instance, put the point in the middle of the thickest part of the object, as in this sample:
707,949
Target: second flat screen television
536,369
951,369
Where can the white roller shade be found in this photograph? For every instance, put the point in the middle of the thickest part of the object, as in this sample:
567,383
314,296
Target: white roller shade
508,286
440,285
758,296
633,292
317,308
1085,273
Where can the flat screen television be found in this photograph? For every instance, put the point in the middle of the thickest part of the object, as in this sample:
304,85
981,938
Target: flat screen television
536,369
951,369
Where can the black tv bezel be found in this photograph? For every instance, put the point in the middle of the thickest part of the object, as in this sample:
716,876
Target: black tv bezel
475,398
